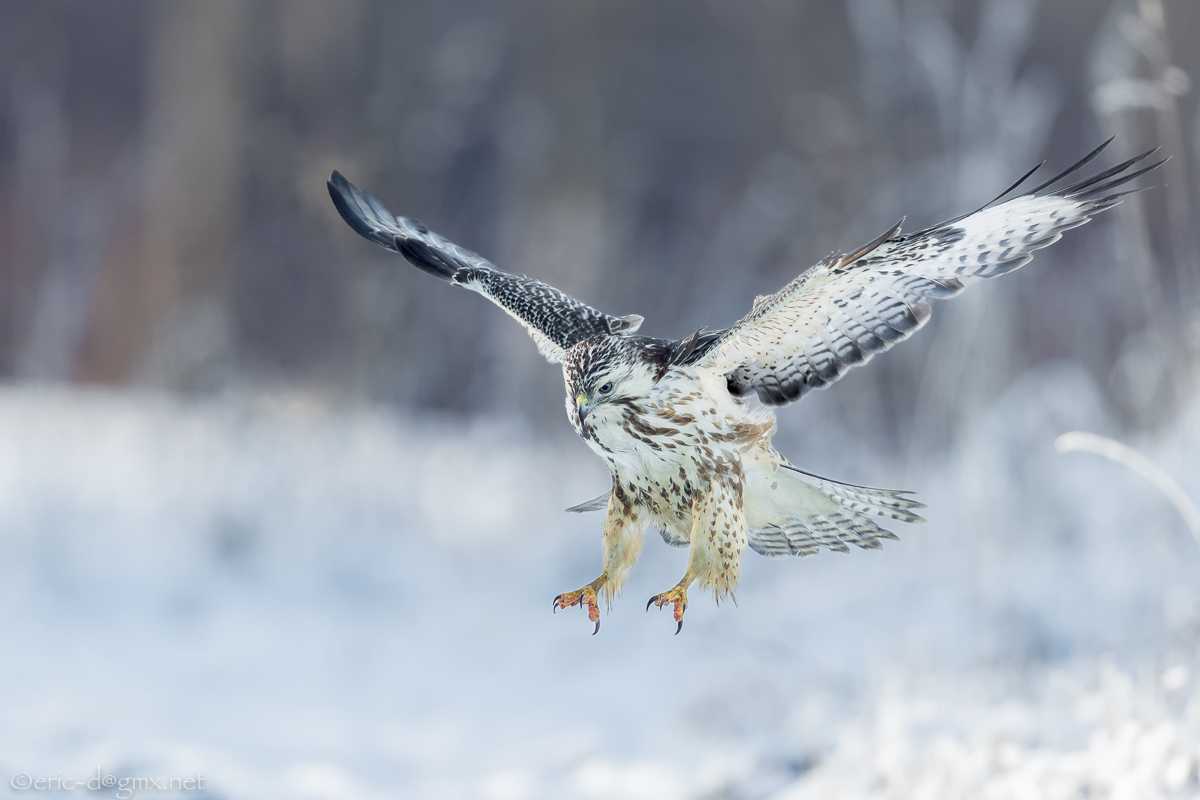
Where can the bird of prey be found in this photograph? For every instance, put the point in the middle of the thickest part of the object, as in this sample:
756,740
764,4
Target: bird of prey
685,425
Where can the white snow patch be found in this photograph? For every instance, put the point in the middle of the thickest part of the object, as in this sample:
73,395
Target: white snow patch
305,602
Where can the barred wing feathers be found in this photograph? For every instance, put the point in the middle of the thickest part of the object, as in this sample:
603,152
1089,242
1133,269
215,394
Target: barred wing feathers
843,311
554,320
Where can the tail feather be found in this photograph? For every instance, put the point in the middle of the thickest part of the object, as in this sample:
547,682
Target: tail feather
802,512
595,504
892,503
810,512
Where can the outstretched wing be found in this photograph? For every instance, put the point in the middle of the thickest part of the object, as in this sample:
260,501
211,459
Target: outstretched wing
554,320
847,308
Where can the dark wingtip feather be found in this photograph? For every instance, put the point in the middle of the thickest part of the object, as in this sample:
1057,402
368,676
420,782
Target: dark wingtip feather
1021,180
1077,165
414,223
354,206
1076,189
425,258
1118,181
1003,194
339,195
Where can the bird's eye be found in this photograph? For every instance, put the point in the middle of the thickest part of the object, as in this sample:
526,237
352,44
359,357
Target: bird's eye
606,388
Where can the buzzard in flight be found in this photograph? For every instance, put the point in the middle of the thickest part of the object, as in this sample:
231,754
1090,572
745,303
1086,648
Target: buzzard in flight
688,447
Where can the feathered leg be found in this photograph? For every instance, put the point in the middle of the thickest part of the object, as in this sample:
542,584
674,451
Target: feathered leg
714,558
623,528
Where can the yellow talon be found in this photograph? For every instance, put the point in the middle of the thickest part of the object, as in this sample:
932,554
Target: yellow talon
585,597
676,597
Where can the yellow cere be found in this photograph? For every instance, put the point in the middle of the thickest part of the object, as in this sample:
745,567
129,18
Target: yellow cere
581,399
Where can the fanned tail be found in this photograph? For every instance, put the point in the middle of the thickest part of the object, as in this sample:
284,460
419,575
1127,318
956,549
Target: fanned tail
892,503
811,512
801,513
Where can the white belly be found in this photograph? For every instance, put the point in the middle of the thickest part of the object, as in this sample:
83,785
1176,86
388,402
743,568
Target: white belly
668,447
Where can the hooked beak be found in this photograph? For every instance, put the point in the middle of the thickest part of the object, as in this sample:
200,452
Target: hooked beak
582,404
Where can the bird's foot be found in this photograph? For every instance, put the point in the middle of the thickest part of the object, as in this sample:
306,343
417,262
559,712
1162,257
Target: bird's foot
676,597
584,598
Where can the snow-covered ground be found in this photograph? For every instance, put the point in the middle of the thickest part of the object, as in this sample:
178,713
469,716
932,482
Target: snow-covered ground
297,601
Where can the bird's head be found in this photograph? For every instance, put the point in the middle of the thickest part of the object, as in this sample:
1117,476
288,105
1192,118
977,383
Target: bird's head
602,374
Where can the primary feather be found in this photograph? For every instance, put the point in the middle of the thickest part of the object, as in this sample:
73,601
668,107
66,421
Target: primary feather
554,320
844,310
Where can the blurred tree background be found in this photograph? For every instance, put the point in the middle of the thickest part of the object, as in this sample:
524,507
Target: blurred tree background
164,220
279,508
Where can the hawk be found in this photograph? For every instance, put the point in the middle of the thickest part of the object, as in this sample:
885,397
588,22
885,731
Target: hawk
685,425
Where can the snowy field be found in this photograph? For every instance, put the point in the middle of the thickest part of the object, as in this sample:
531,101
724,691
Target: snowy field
304,602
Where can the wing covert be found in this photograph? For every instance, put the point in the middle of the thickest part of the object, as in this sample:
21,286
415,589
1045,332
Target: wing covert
847,308
554,320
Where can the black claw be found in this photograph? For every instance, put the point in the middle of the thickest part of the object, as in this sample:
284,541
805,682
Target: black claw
651,602
555,606
597,628
679,627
